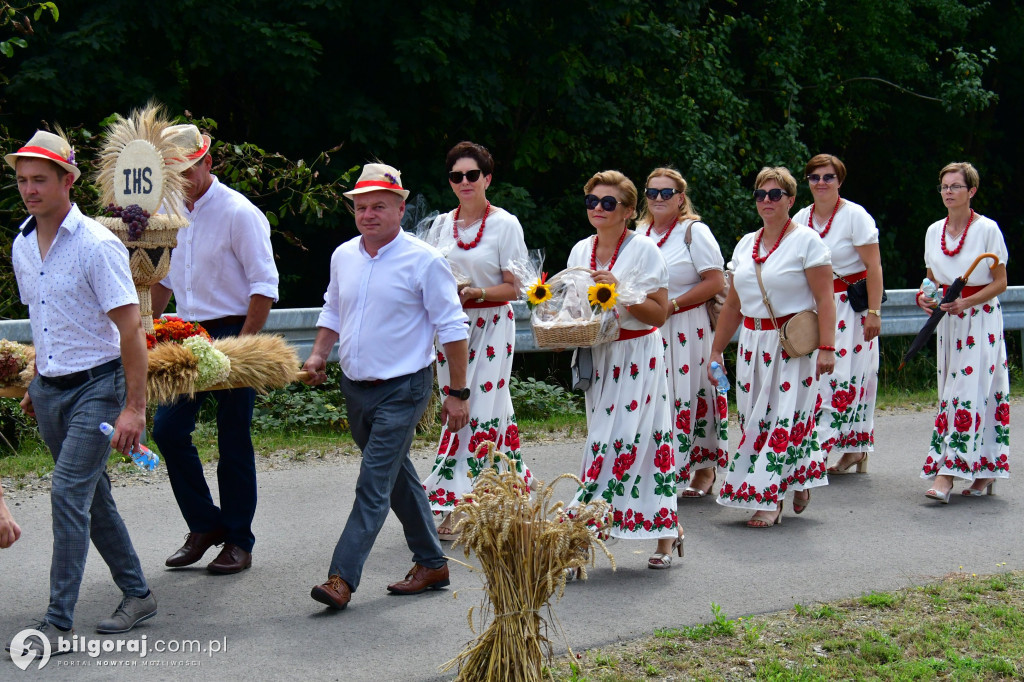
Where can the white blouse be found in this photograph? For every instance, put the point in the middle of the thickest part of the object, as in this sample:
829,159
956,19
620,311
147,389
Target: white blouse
686,264
853,226
501,243
983,236
783,272
639,262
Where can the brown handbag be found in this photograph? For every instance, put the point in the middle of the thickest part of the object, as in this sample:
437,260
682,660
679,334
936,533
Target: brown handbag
715,303
799,334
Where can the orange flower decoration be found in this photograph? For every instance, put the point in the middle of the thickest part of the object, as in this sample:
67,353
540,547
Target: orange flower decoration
175,329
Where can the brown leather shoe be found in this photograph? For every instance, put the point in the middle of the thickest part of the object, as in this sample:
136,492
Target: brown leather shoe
334,593
231,559
195,546
420,578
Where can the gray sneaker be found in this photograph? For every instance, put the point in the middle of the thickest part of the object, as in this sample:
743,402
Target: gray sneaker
131,612
33,645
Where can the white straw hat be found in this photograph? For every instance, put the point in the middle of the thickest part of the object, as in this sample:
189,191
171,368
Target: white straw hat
190,141
44,145
379,176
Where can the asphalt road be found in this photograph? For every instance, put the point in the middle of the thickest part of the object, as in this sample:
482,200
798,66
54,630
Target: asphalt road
861,533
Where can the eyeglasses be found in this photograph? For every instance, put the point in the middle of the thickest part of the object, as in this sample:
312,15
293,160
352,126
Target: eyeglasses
951,188
455,177
666,193
607,203
827,178
772,194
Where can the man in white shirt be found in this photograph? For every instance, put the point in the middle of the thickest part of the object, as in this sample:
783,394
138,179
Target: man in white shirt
73,275
224,277
389,295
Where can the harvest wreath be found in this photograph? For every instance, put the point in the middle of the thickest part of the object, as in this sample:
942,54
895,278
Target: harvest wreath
142,189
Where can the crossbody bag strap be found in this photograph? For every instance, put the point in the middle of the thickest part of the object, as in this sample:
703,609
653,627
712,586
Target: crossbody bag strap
764,296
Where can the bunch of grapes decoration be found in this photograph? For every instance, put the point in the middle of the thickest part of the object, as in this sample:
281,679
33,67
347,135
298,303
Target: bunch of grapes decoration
137,178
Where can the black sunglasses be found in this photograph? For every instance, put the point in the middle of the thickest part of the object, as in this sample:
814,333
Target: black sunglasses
829,178
666,193
772,194
456,176
607,203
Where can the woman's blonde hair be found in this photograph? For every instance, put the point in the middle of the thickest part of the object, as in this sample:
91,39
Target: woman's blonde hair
779,174
615,179
969,172
686,211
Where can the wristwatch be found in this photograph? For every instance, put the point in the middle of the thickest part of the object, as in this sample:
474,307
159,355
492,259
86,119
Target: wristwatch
460,393
876,313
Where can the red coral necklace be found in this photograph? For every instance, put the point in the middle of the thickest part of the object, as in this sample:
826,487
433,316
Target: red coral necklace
828,225
664,237
479,234
593,250
963,236
757,243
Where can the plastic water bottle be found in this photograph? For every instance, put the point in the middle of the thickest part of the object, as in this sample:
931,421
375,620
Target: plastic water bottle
928,288
144,458
718,372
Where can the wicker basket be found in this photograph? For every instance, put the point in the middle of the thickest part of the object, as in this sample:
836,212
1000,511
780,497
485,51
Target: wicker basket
578,333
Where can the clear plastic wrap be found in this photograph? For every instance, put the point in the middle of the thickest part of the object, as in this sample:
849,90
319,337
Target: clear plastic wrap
570,309
429,229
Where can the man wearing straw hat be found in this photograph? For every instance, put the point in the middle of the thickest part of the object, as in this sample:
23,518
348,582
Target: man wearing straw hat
388,296
73,275
224,277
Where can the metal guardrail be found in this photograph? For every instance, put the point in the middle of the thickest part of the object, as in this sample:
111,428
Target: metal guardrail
900,317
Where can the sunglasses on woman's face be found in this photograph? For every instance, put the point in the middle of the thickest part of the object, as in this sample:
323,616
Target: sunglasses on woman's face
607,203
455,177
827,178
666,193
772,194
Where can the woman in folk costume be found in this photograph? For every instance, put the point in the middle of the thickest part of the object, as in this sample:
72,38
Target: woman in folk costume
776,394
971,438
846,422
695,275
479,240
629,460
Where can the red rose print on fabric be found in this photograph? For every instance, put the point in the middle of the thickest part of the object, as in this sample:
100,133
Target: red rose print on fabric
941,424
702,408
779,440
664,459
1003,413
723,407
962,421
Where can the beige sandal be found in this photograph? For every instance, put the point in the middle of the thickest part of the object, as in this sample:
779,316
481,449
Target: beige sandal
446,531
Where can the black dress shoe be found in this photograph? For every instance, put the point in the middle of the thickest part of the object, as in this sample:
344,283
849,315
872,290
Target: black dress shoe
194,548
232,559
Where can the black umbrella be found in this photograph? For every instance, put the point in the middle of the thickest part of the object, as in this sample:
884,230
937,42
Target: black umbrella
951,295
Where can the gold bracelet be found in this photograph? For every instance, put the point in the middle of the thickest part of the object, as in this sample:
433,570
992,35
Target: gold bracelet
675,305
876,313
483,296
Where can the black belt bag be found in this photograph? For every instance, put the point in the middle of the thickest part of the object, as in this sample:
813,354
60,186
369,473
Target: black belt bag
76,379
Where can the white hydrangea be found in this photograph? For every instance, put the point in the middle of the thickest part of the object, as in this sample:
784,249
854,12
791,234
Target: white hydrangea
214,366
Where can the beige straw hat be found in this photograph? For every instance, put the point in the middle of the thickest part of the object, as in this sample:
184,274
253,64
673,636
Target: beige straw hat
44,145
190,141
379,176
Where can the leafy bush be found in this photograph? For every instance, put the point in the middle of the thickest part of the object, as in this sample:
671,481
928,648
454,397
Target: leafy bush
298,406
535,399
15,426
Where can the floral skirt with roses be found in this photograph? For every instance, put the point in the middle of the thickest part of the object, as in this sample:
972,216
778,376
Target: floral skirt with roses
629,460
700,415
971,438
491,345
846,421
776,399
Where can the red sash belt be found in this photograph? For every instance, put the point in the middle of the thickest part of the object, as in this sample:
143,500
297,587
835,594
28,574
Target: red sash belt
967,291
839,286
685,308
762,323
484,304
626,334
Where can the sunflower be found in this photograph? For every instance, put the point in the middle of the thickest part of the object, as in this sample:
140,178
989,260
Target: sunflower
538,292
602,296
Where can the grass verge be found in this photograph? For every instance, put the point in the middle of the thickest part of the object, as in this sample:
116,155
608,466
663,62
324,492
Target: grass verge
963,627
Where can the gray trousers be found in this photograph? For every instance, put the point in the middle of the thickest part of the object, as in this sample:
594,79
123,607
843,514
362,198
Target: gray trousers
83,507
383,420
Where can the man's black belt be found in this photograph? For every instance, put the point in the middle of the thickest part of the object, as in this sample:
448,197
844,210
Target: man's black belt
76,379
218,323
